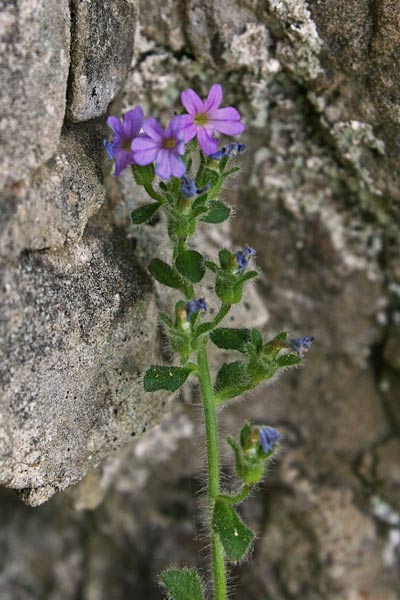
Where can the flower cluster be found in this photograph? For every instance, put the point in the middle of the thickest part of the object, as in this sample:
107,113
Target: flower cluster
201,169
143,141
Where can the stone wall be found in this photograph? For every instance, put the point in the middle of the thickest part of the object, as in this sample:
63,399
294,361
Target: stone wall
318,196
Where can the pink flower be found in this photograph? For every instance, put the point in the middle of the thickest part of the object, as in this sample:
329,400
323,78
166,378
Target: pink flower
164,147
125,131
205,118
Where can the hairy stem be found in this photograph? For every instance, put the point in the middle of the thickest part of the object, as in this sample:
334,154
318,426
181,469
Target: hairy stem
220,592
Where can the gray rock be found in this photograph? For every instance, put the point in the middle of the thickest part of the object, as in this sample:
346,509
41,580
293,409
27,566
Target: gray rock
102,47
52,207
34,50
79,327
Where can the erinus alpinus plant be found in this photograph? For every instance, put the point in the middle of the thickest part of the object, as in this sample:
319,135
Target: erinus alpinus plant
162,161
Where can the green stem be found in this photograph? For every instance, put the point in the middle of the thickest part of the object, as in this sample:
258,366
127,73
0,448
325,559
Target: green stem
223,311
220,592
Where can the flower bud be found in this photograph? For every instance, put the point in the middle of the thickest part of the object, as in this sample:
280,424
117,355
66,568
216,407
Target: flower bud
257,446
228,288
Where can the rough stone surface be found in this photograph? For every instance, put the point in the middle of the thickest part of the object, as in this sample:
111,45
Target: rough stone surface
72,361
102,46
52,209
34,50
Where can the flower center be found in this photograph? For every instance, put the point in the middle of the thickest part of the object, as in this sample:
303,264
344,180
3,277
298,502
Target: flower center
126,144
169,143
201,119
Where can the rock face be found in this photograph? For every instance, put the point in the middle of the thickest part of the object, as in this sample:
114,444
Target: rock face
35,45
102,47
318,196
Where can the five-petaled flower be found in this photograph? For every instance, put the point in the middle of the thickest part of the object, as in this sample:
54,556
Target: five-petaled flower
268,438
243,257
125,131
204,118
165,147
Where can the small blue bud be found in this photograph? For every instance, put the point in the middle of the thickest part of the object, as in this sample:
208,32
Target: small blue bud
109,149
301,345
243,256
189,188
229,150
194,306
268,438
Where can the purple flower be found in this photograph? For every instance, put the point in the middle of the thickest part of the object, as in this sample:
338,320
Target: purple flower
205,118
189,188
194,306
124,132
301,345
243,257
268,438
164,147
229,150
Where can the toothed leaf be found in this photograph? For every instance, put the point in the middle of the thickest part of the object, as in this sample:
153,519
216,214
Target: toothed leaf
144,213
218,212
235,536
182,584
288,360
191,265
231,339
165,378
165,274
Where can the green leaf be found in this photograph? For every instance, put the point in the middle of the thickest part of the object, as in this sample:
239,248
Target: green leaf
165,274
244,433
231,339
144,175
231,172
224,258
218,212
222,163
191,265
182,584
235,536
232,380
249,275
206,176
204,328
199,205
281,337
256,339
165,378
144,213
211,265
288,360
